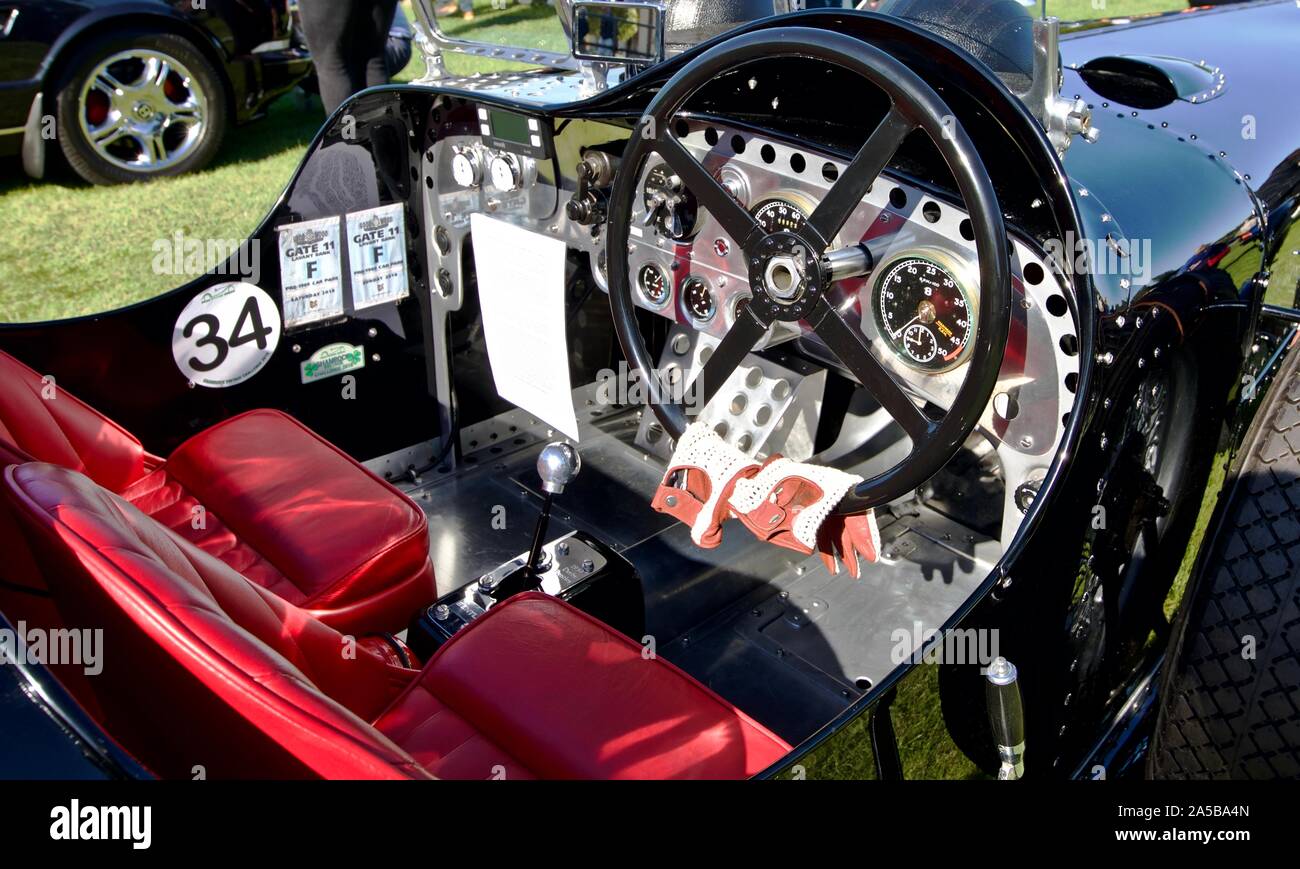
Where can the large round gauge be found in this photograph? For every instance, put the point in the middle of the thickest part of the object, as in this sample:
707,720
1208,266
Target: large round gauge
778,215
653,284
925,309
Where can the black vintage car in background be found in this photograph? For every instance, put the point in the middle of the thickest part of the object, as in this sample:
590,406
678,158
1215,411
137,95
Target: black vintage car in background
135,89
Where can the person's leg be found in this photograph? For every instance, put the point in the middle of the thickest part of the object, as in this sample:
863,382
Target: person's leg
397,54
327,24
371,37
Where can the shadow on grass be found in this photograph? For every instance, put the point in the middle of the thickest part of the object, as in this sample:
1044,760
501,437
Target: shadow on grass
290,122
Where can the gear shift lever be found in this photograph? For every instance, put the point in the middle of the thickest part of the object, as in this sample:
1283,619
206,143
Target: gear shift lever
557,465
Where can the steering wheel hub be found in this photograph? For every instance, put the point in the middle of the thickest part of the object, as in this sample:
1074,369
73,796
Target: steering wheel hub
785,275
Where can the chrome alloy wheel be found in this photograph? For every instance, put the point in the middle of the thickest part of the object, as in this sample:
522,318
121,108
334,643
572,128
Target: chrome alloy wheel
142,110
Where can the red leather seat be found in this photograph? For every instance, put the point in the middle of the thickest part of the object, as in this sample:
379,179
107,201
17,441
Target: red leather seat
260,491
203,667
536,688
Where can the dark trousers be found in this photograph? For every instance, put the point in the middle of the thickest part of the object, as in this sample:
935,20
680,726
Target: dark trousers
347,39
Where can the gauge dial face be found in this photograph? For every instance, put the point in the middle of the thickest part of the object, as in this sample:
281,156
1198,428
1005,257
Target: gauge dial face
924,312
698,299
779,215
653,284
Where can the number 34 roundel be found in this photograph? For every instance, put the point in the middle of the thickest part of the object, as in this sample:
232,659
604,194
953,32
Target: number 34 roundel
226,334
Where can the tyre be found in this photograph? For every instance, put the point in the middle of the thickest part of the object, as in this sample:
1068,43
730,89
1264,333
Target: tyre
1230,694
133,106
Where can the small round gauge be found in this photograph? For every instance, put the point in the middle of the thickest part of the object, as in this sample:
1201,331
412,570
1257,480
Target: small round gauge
504,170
777,215
698,299
466,169
669,205
653,284
920,343
925,309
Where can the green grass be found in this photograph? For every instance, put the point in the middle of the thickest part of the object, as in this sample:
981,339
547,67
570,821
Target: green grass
924,746
532,26
1086,10
69,248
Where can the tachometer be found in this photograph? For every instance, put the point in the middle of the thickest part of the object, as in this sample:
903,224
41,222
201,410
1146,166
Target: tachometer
925,309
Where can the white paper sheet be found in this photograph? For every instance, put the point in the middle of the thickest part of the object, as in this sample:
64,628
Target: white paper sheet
311,273
377,255
521,293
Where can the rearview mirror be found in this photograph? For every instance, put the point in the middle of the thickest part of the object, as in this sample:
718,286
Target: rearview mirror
622,32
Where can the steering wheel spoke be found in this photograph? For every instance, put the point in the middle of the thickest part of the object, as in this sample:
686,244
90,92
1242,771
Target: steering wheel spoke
846,194
850,348
734,346
708,191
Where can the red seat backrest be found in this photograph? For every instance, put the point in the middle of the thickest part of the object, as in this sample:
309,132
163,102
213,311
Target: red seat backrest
202,668
41,422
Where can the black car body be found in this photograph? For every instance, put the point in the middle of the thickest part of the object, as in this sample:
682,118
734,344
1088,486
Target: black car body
247,43
1165,363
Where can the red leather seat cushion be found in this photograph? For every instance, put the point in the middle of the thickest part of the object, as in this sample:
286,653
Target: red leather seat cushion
298,516
538,688
200,666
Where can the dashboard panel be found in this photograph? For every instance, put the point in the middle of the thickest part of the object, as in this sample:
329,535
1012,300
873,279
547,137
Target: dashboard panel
921,245
917,307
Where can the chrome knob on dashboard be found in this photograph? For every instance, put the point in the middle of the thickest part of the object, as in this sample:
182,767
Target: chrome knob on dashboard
558,465
466,169
735,182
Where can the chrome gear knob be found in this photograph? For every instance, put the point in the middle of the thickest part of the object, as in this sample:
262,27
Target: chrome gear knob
558,465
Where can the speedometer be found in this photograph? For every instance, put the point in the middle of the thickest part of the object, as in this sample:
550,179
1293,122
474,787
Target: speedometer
778,214
925,309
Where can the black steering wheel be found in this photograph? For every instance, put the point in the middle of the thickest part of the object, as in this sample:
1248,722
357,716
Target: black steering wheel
788,278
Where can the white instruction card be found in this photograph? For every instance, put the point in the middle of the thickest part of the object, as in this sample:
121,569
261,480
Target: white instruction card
377,255
311,271
521,293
